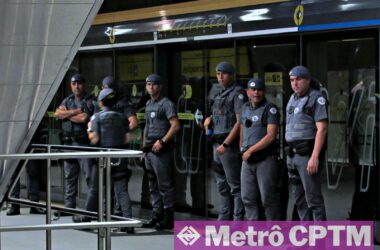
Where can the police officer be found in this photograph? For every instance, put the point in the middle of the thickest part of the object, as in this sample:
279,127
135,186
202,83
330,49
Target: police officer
306,130
109,129
161,125
225,119
75,111
123,104
259,174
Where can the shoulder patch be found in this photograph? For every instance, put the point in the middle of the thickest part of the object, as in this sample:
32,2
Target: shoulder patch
321,100
273,110
92,117
241,96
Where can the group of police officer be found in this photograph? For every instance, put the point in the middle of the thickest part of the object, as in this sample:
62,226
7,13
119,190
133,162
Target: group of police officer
246,166
106,123
244,146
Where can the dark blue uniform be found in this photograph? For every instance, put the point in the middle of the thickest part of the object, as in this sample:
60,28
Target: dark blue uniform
159,165
259,175
75,134
302,114
224,109
111,127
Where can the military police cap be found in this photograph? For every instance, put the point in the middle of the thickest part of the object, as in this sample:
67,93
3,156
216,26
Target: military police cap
225,67
154,78
106,93
77,78
109,82
256,83
301,72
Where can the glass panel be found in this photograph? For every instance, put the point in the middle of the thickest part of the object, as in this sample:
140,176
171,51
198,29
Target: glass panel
272,63
189,151
347,69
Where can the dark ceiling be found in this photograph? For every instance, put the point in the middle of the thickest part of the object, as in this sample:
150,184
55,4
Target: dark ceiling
119,5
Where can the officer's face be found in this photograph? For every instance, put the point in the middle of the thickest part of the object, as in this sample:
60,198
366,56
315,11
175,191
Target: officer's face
255,95
224,79
77,88
153,89
300,85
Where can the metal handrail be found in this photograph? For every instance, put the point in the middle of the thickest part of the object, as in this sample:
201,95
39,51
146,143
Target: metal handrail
104,163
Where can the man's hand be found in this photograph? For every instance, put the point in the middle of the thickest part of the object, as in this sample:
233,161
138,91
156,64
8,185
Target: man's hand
312,165
207,123
246,155
156,146
220,150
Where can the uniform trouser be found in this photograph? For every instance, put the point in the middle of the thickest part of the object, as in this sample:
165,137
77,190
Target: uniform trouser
120,185
33,170
72,170
159,169
260,180
228,183
306,188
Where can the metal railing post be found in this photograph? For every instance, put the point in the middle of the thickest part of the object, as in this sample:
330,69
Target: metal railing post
108,200
100,203
48,201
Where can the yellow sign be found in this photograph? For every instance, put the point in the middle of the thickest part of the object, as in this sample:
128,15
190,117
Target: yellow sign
185,116
187,91
50,113
298,15
135,67
140,116
273,78
134,90
112,36
181,116
192,63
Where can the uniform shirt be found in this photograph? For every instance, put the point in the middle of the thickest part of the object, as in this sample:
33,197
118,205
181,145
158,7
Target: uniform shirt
302,114
111,127
226,105
256,119
71,103
125,106
157,115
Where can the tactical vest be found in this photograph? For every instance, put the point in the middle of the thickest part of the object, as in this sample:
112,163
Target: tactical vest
300,124
113,128
157,125
73,129
254,123
223,113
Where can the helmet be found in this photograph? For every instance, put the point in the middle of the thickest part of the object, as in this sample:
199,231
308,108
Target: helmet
78,78
225,67
109,82
154,78
106,94
256,83
300,71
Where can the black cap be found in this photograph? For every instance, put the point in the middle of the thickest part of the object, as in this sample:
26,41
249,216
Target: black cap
300,71
154,78
106,93
109,82
256,83
225,67
78,78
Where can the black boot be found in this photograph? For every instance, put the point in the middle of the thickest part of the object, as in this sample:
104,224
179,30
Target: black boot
37,210
14,210
167,222
156,217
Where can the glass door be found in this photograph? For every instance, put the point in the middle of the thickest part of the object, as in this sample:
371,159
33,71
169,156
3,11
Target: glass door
346,66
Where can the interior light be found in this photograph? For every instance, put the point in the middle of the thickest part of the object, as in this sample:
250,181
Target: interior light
117,30
254,15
